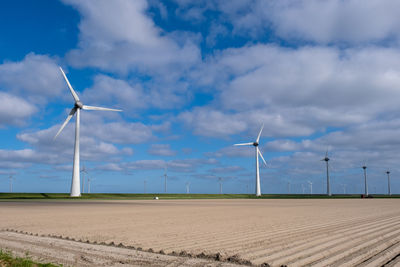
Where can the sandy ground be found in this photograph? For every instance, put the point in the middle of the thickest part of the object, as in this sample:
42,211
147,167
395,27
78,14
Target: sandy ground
326,232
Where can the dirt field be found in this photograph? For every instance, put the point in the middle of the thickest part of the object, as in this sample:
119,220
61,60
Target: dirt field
334,232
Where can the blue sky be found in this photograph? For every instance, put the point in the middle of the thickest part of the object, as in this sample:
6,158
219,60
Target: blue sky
193,78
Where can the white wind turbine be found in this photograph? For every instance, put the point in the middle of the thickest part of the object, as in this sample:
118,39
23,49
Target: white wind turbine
310,183
75,185
258,152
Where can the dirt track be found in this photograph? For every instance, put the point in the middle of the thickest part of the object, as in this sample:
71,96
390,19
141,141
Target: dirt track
334,232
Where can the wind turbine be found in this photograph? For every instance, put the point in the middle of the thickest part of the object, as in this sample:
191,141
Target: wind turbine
365,179
165,180
302,188
144,186
344,188
89,180
328,188
83,171
187,188
11,177
258,152
220,185
310,183
75,185
388,172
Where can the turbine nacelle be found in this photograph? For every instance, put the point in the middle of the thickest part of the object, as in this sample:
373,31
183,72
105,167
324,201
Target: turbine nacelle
255,144
79,104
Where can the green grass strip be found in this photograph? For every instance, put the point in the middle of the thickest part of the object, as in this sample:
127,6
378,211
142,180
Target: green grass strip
8,260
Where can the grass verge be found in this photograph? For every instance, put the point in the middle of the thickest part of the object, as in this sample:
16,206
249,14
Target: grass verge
8,260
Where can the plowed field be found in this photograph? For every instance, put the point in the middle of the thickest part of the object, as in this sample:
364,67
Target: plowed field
326,232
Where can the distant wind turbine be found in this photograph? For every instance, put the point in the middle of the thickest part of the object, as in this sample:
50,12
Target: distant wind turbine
187,188
144,186
75,185
365,178
328,188
258,152
310,183
89,182
344,188
165,180
220,185
83,171
11,177
388,175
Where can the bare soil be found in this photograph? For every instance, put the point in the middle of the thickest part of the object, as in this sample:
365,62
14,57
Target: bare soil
293,232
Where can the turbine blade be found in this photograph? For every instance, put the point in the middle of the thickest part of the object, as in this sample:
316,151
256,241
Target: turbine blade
244,144
76,98
99,108
259,153
259,134
71,113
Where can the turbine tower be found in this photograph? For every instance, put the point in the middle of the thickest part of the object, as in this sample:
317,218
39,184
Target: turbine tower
89,180
328,188
144,186
365,179
220,185
75,185
310,183
388,173
11,177
165,180
187,188
344,188
83,171
258,152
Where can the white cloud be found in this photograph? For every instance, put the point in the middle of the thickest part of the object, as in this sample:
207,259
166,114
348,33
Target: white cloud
161,150
131,41
36,78
295,92
337,21
25,85
325,22
14,110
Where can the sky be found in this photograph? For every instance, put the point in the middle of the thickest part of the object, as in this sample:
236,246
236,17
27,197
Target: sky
193,78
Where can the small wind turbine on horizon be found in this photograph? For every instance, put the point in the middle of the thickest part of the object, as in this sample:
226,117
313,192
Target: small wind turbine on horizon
89,182
187,187
165,180
258,152
310,183
220,185
83,171
328,187
11,177
365,178
344,188
75,185
388,176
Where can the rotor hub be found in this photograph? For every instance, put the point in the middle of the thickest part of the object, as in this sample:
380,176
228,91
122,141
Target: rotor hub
255,144
326,159
78,104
